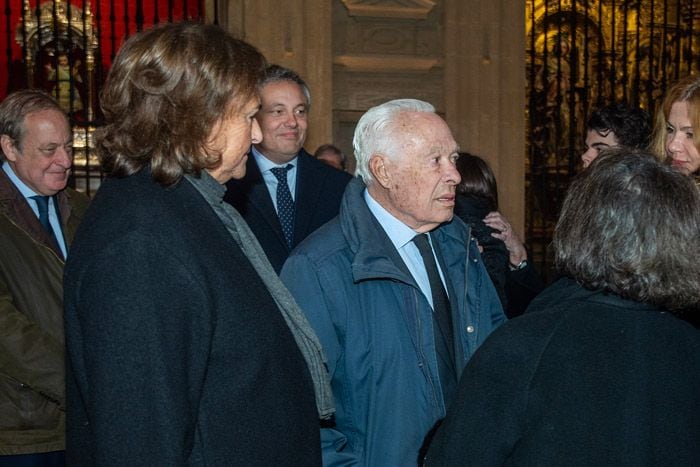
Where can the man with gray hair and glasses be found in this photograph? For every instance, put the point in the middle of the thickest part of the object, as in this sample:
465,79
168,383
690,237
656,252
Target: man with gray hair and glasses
395,289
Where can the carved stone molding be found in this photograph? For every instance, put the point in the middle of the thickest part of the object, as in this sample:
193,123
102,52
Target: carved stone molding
410,9
360,63
360,91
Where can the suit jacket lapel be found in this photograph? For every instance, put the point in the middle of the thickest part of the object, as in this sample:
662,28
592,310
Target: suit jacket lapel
16,208
259,198
308,190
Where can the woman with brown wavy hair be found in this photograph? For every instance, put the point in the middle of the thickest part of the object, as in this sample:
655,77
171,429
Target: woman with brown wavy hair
183,345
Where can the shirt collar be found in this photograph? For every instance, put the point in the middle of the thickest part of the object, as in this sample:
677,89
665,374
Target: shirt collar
21,186
399,233
266,164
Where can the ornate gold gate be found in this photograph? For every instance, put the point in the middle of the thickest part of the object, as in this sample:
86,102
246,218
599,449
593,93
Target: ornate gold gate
582,55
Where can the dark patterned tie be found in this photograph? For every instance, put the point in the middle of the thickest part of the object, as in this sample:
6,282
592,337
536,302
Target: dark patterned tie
42,203
442,317
285,203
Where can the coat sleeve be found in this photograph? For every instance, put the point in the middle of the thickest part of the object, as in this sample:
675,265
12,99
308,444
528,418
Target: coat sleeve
312,292
522,287
138,330
29,356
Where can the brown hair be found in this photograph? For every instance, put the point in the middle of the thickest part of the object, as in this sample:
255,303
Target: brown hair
477,179
167,89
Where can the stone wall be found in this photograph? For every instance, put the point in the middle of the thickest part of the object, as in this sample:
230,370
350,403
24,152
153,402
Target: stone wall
466,57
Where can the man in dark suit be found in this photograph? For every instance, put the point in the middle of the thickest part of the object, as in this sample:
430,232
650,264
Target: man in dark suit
286,193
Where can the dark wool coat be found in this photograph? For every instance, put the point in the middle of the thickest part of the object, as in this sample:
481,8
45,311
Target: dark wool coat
319,189
583,378
376,327
177,354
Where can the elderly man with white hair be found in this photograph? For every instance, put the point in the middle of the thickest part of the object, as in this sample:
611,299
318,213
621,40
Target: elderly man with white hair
395,289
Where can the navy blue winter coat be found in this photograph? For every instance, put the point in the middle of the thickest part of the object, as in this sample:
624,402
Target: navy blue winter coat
377,330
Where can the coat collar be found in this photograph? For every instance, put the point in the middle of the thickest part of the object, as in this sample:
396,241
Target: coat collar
15,207
374,253
570,290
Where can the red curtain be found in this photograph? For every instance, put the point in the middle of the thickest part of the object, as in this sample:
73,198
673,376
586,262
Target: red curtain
113,20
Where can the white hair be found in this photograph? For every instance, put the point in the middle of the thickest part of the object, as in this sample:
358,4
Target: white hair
373,134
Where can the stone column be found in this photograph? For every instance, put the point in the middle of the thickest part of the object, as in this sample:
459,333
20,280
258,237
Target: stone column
485,91
295,34
469,61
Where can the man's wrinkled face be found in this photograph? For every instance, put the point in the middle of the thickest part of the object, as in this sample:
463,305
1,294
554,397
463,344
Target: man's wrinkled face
283,119
43,157
421,180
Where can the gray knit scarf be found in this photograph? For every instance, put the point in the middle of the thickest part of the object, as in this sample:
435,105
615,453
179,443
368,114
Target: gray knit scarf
304,335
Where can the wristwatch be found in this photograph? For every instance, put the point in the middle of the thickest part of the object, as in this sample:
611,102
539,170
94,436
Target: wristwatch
521,265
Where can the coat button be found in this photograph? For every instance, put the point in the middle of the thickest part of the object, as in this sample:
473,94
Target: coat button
470,329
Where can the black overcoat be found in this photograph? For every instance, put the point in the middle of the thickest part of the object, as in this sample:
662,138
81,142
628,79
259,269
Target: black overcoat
177,354
582,378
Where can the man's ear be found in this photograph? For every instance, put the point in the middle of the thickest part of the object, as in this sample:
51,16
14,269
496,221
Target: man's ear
8,148
379,170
